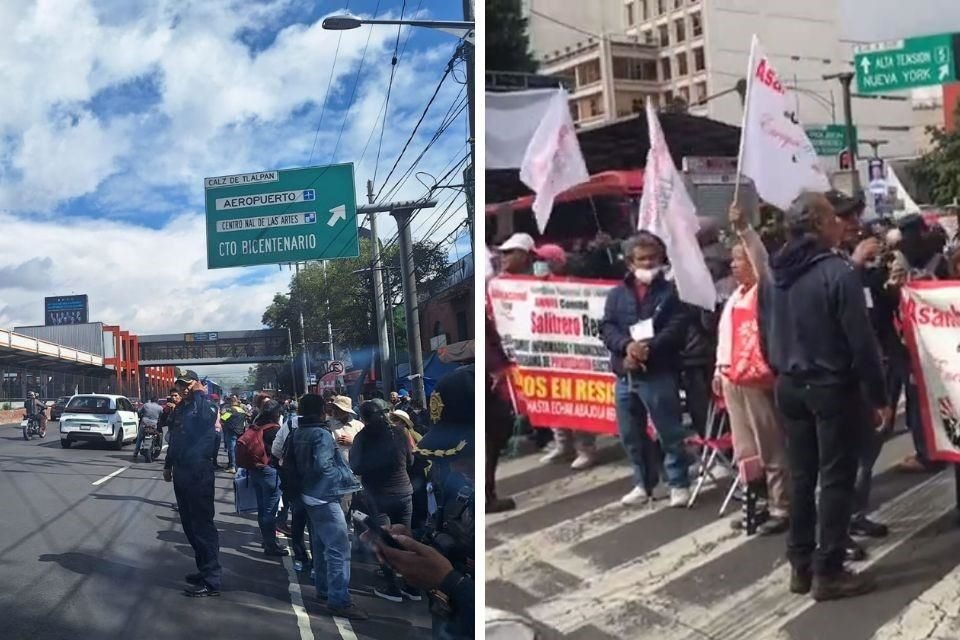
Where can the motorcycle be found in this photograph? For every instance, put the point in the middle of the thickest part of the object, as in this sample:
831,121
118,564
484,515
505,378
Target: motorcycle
31,427
150,441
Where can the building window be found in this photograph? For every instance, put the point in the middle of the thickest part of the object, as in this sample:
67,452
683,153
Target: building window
629,9
678,4
664,68
595,107
667,98
634,69
699,61
682,69
647,37
700,91
574,112
664,35
696,25
588,73
685,94
644,10
661,7
636,105
681,29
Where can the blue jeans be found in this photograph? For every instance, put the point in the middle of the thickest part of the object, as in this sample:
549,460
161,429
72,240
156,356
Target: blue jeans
266,483
659,396
331,553
230,446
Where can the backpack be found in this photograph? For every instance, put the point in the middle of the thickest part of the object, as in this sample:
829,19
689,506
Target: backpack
251,449
289,476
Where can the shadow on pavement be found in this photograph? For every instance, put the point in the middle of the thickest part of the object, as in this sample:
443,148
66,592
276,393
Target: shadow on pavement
86,564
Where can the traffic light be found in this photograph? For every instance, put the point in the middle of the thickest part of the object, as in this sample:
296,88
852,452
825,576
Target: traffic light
844,160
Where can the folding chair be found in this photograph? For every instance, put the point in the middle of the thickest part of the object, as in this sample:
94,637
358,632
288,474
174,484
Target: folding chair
716,448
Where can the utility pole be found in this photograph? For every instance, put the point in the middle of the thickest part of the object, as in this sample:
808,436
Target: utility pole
329,323
468,51
402,212
303,335
383,344
845,79
293,368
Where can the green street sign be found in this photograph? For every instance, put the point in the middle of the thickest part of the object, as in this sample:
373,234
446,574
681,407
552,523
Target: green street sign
915,62
829,139
291,215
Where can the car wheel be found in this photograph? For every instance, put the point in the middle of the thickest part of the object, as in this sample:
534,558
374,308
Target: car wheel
118,445
65,443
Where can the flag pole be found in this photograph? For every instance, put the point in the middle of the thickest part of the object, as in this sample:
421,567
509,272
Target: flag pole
743,124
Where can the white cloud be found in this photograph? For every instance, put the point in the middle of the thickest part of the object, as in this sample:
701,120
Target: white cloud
220,108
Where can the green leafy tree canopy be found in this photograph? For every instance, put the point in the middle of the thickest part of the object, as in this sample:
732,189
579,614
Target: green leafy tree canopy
938,170
508,45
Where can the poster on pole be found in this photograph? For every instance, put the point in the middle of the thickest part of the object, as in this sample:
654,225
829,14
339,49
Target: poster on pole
551,329
931,326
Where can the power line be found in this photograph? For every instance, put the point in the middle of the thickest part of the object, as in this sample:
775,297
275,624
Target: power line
416,126
356,83
326,96
386,103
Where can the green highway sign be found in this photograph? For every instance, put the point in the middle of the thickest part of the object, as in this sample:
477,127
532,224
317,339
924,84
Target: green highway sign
915,62
829,139
290,215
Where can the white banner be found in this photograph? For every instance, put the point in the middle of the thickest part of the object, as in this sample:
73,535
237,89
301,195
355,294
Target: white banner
931,317
511,118
774,149
667,211
553,161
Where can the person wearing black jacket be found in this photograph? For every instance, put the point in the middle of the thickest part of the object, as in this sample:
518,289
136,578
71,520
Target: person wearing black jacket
381,454
644,327
812,314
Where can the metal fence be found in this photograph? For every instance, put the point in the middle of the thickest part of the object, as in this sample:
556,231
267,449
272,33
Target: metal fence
48,384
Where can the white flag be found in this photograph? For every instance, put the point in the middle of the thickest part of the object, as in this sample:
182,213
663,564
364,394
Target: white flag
774,149
667,211
553,162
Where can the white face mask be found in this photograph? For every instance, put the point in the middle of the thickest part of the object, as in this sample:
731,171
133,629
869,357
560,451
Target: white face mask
541,269
645,276
334,424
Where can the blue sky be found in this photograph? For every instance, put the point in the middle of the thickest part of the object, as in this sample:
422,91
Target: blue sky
113,111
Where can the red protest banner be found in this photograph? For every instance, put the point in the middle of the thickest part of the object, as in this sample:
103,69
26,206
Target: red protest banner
551,329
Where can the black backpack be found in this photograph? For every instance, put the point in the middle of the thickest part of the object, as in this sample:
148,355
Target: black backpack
290,483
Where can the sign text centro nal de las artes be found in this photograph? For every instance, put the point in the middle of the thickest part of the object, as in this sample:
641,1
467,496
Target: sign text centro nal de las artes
289,215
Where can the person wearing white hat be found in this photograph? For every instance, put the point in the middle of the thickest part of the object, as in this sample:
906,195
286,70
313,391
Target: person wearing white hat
342,414
517,253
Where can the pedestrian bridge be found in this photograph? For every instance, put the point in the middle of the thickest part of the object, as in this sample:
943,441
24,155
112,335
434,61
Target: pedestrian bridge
215,347
20,351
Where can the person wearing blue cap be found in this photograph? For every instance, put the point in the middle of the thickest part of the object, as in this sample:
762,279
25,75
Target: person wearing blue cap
442,561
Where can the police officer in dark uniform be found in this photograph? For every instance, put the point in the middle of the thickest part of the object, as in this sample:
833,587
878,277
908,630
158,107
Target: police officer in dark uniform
190,463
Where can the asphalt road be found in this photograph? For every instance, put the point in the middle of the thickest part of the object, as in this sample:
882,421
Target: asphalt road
107,561
580,566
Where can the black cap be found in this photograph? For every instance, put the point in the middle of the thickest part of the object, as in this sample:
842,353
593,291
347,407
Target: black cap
911,221
187,375
844,205
453,416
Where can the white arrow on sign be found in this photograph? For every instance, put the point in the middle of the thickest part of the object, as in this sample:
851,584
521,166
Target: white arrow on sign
865,65
339,213
944,72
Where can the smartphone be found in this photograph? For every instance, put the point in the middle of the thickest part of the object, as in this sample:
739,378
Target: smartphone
387,539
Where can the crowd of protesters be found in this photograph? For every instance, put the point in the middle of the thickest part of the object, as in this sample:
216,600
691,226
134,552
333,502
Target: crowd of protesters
804,352
344,476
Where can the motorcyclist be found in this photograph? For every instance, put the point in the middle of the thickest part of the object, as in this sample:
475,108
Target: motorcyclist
149,418
35,408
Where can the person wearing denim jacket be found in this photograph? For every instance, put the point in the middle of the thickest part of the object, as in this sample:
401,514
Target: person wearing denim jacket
324,478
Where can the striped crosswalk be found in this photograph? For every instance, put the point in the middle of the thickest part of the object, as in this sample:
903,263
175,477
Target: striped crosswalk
579,565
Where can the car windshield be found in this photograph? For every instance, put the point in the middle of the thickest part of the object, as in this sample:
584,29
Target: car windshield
91,404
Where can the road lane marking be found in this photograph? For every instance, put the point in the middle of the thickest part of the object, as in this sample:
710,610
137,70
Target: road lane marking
345,628
296,601
933,614
105,478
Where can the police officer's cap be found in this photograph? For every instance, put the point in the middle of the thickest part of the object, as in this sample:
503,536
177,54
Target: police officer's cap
452,415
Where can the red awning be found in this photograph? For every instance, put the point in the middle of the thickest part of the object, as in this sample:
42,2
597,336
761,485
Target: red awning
629,182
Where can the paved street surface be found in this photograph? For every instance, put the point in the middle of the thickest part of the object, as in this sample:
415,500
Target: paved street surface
581,566
107,561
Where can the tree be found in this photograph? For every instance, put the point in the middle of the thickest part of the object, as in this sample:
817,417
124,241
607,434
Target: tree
344,296
938,171
508,45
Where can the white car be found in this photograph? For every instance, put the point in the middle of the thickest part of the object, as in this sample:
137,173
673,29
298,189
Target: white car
96,417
